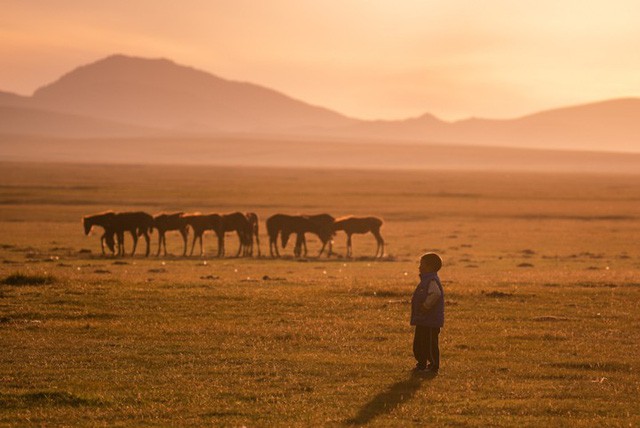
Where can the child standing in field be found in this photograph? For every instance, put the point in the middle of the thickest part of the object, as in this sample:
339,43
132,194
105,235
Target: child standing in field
427,314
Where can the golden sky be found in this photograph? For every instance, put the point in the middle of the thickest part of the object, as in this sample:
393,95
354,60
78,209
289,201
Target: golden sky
368,59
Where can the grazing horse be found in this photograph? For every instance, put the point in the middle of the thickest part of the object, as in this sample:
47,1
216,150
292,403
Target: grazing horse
137,223
322,225
319,224
104,220
275,224
252,218
200,223
236,222
166,222
352,225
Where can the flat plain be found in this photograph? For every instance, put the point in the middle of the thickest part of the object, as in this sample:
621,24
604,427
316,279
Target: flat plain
541,280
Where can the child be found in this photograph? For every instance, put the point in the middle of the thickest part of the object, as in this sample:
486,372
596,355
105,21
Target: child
427,314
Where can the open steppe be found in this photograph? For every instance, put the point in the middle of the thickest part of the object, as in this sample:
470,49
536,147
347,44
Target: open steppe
541,275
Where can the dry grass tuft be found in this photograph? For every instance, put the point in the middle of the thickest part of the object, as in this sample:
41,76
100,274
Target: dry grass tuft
24,279
47,398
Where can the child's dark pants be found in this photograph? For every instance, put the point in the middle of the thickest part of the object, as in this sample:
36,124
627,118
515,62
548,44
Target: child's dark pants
425,347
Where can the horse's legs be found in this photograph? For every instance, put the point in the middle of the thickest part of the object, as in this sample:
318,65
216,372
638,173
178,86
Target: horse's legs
257,242
380,242
349,248
297,249
221,248
185,237
160,236
304,243
121,244
193,244
273,245
324,244
147,239
164,244
103,238
134,235
240,239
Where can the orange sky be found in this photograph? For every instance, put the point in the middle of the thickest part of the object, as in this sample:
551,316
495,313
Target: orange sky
368,59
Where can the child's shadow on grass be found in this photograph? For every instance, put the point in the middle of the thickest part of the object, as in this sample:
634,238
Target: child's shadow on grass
390,398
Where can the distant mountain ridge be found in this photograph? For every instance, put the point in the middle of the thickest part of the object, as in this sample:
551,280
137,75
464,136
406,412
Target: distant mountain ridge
128,96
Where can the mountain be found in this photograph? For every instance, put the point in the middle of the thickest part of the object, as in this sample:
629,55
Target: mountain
128,96
157,93
13,100
606,125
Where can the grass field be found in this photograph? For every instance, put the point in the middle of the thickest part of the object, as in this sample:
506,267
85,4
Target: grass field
541,275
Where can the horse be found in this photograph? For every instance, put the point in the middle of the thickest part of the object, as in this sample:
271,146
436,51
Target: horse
252,218
137,223
239,223
351,225
322,226
104,220
275,224
319,224
166,222
200,223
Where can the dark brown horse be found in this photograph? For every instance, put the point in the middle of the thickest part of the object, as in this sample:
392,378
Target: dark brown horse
137,223
352,225
166,222
236,222
319,224
252,218
275,224
200,223
104,220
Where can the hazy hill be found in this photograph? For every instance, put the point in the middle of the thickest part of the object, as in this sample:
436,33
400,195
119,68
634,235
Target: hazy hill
12,100
607,125
122,95
158,93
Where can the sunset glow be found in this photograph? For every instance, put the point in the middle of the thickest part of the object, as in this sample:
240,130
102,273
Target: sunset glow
366,59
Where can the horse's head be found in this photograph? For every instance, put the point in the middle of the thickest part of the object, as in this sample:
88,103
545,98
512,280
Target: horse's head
284,235
110,242
88,225
326,233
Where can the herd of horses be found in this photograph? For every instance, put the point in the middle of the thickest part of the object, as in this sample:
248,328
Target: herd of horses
246,225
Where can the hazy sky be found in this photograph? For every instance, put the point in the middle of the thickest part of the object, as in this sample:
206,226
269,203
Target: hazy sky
368,59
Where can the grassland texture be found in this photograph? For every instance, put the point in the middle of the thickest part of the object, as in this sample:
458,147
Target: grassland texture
541,279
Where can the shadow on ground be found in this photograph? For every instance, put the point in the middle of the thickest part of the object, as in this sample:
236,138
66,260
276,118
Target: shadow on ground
387,400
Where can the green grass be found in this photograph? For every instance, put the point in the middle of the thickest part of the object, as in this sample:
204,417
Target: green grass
261,342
